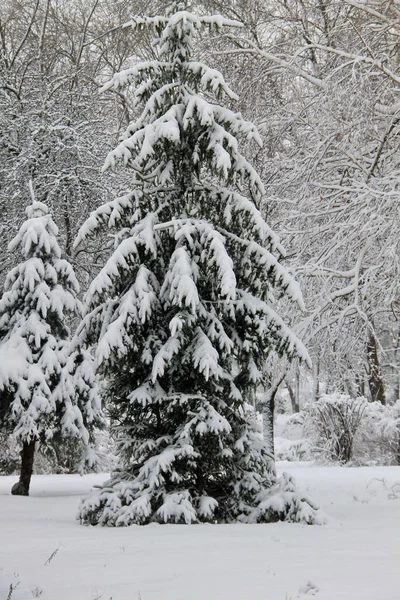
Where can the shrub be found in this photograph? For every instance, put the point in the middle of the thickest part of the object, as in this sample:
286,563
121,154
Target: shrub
344,429
9,455
332,423
292,450
379,436
58,456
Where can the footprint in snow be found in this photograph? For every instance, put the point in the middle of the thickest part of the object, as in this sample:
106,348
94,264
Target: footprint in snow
309,589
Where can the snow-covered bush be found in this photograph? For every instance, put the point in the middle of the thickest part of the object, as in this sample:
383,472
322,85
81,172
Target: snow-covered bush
64,455
292,450
59,455
9,455
282,502
332,423
289,442
378,439
340,428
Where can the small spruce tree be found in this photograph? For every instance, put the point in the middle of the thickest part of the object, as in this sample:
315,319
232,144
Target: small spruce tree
182,311
47,389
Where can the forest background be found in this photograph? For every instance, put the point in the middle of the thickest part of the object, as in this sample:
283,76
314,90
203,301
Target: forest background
320,79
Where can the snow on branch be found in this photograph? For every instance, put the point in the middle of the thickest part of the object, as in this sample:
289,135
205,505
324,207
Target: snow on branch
249,303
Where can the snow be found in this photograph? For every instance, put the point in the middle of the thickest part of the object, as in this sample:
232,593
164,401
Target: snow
355,556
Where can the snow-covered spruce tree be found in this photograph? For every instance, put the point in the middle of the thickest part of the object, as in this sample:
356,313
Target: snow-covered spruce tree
47,387
181,312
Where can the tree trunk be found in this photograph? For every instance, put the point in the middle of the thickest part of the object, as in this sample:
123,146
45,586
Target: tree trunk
268,426
396,373
27,457
359,379
295,406
375,379
316,390
397,447
297,387
268,409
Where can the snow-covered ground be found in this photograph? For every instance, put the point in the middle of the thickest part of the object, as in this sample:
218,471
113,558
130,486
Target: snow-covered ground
355,556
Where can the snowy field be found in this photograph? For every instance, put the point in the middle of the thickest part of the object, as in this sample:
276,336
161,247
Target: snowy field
46,554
